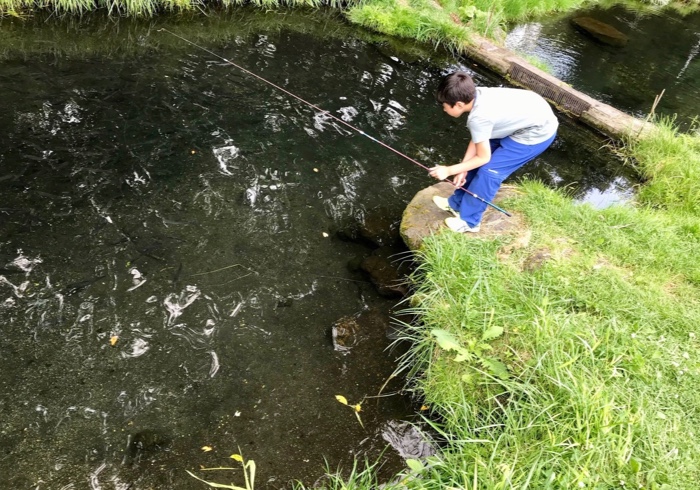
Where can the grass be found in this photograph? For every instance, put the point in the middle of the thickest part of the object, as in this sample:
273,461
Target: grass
444,22
601,341
147,8
450,22
361,477
671,162
537,62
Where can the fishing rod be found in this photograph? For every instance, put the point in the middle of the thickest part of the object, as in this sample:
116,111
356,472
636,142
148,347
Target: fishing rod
322,111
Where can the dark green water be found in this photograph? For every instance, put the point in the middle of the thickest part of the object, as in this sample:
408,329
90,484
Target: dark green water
164,198
662,54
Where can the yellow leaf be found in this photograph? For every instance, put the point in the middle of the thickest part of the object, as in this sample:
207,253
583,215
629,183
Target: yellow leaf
423,408
206,449
113,340
237,457
358,407
341,399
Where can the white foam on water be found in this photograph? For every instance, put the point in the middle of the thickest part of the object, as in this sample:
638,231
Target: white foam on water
225,155
176,304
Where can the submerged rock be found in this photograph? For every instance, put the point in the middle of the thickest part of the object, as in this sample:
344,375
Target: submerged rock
380,227
605,33
408,440
144,444
388,271
349,331
345,333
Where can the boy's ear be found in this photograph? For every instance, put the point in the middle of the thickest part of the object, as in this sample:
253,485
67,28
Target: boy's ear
461,106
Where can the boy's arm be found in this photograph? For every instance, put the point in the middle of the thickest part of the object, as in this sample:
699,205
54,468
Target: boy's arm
477,154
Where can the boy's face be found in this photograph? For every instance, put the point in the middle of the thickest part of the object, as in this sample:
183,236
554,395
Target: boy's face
454,110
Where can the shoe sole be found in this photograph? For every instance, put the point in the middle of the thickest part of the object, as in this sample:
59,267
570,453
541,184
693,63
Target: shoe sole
465,229
447,210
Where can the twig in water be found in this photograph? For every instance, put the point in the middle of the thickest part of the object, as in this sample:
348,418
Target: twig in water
217,270
344,279
232,280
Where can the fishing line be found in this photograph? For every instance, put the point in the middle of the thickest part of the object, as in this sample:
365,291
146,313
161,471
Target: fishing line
324,112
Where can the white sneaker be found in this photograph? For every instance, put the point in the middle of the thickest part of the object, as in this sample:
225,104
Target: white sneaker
443,203
460,226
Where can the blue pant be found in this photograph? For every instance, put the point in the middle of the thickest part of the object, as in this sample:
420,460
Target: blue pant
507,156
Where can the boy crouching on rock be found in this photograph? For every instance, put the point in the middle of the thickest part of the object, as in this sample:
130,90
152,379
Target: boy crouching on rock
509,127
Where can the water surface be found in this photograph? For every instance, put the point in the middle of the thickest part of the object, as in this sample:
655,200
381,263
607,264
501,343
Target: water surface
171,267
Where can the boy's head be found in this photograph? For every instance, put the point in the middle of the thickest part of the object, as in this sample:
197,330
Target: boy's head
454,88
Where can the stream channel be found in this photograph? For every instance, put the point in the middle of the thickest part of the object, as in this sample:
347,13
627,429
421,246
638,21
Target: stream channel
171,258
662,54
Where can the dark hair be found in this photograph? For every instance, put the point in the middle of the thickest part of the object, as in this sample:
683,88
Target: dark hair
456,87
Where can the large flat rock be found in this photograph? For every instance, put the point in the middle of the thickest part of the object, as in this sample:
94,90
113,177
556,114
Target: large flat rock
422,218
605,33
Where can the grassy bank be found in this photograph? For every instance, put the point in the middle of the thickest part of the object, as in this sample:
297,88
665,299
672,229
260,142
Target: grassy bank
572,361
450,22
446,22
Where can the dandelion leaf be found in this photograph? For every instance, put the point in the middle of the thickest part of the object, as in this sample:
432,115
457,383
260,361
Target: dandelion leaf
492,333
415,465
463,356
495,367
446,340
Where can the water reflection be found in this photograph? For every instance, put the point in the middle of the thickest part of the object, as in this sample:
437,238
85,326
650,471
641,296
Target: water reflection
661,55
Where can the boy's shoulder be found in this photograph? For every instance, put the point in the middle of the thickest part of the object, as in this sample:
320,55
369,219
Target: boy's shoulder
504,98
507,92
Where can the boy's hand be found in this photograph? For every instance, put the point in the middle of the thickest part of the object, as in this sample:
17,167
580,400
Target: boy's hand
460,179
440,172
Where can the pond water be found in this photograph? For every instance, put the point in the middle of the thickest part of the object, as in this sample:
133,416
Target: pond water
171,267
662,54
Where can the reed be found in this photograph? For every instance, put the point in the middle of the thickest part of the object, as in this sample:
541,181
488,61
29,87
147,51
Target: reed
148,8
434,24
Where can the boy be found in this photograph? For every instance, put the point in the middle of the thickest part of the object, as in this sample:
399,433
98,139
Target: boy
509,127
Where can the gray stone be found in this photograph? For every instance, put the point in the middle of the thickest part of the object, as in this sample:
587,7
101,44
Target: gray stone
536,260
422,218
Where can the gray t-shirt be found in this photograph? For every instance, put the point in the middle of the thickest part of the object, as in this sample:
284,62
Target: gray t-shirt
521,114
